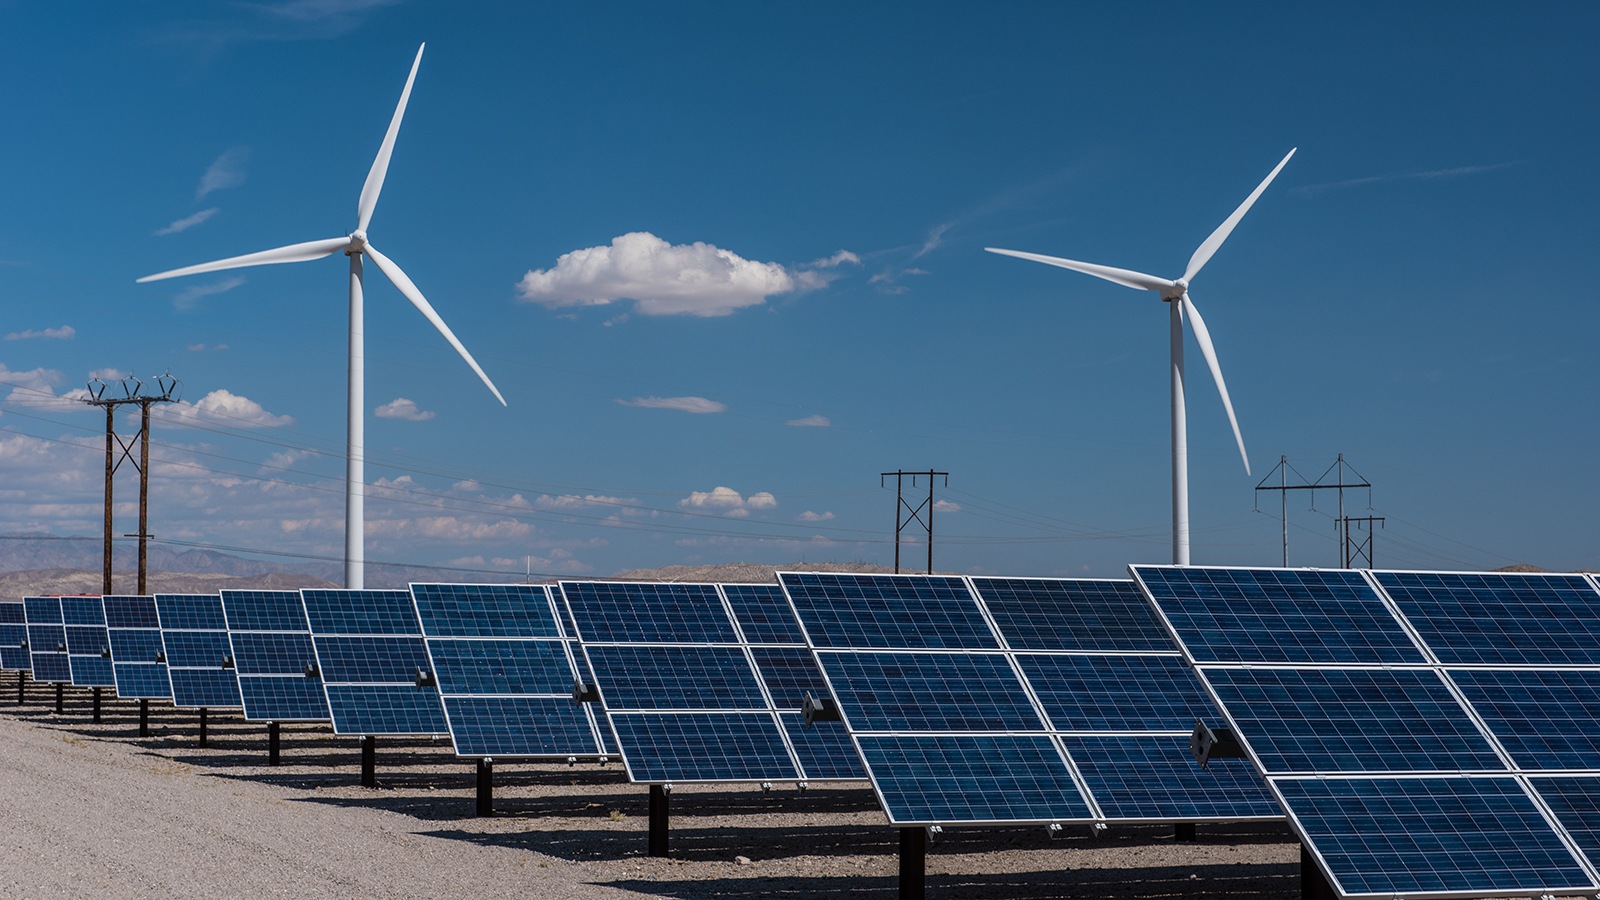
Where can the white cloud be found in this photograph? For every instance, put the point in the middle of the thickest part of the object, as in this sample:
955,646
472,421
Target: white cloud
401,408
187,222
809,516
36,389
729,501
810,422
663,279
225,171
64,333
201,348
945,506
819,273
222,407
190,297
683,404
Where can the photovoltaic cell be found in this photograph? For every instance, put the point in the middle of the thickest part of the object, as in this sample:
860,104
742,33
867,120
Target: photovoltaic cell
14,637
957,737
668,677
137,658
272,649
1575,800
47,640
88,648
639,612
763,614
1500,618
505,671
194,636
1546,719
370,652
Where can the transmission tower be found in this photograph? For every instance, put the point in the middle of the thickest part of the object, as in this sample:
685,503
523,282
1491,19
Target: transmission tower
905,513
133,392
1322,483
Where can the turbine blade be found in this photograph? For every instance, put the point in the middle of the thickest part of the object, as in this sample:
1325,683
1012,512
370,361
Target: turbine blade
1203,337
1125,277
380,166
407,287
293,253
1203,253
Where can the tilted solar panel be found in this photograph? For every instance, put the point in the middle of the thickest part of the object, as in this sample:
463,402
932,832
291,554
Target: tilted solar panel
272,655
371,656
138,660
88,647
47,640
194,635
14,637
505,671
1070,707
1417,779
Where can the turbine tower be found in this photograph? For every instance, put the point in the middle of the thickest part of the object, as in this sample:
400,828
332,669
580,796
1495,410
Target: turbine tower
1176,295
355,245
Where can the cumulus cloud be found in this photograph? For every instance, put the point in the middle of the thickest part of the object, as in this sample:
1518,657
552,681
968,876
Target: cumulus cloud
64,333
662,279
945,506
401,408
728,501
683,404
190,297
222,407
187,222
36,389
810,422
225,171
809,516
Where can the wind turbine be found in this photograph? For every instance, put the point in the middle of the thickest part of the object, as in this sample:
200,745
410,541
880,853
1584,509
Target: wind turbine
1176,294
355,245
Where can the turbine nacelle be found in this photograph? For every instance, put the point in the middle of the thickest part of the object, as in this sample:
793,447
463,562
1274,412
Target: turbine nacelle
358,241
1178,289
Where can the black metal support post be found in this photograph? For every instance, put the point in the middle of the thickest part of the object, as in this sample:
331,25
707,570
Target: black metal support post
913,863
485,787
144,717
658,820
61,703
97,704
1184,831
1313,886
272,743
369,761
22,687
202,726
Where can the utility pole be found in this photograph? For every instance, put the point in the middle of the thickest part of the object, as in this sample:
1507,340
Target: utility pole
1322,483
905,513
133,392
1362,548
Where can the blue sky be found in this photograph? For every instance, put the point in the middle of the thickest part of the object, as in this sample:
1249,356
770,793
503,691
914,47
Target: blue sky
725,262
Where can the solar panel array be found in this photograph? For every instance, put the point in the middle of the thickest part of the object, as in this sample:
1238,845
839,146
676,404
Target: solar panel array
505,671
14,637
88,647
1429,734
194,634
138,660
272,651
370,653
702,683
991,701
47,640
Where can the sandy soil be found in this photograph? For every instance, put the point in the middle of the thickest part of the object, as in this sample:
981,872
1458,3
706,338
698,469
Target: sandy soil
92,809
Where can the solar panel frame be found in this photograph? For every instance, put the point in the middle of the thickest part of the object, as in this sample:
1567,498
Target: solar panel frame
133,630
1376,815
271,643
370,650
505,669
14,655
1034,631
194,636
47,640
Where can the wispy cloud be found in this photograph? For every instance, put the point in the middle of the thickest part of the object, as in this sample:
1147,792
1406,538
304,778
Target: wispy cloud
190,297
64,333
225,171
682,404
1313,190
285,20
818,421
401,408
187,222
202,348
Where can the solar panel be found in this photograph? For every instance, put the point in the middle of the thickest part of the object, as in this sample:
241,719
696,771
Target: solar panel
1416,777
14,637
1061,700
194,635
505,671
272,651
88,648
703,683
47,640
370,653
138,660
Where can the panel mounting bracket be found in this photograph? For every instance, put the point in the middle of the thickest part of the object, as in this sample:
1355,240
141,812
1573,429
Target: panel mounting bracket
1207,744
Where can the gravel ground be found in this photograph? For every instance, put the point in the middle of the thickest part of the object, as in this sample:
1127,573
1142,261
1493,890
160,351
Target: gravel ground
95,810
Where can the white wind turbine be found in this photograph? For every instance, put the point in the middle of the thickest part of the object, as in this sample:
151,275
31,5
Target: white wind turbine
1178,291
355,245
